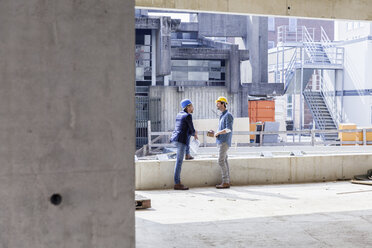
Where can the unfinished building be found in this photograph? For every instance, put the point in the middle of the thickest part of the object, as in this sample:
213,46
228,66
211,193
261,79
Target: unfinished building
197,60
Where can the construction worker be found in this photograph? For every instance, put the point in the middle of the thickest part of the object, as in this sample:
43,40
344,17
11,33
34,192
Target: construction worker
223,139
184,129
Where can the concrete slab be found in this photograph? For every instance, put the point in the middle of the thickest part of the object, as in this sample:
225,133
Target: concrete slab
334,214
334,9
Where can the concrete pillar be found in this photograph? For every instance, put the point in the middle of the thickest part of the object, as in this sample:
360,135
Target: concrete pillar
163,58
263,48
257,39
67,123
244,102
227,74
234,67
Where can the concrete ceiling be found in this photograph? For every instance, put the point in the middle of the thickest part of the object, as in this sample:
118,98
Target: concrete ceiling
331,9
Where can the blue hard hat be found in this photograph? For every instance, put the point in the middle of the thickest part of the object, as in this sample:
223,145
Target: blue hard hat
185,102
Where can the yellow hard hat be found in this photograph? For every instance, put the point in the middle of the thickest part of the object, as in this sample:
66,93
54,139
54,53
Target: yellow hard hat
222,99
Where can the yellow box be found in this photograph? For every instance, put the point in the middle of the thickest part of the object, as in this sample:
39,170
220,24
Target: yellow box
252,128
354,136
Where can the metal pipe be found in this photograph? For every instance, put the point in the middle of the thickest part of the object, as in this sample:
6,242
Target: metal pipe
149,135
153,57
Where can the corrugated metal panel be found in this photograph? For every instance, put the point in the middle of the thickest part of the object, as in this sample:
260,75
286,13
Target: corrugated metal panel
155,113
142,115
262,110
203,99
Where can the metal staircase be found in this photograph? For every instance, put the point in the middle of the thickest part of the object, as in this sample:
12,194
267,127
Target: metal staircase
308,56
321,114
321,100
315,50
317,54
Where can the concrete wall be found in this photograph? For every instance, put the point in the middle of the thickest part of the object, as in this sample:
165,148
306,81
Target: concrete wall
163,47
246,171
350,30
358,59
67,121
212,25
358,76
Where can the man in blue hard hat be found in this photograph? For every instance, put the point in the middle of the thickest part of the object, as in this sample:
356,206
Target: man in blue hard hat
183,130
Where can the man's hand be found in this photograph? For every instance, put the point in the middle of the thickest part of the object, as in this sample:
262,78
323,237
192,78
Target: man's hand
210,133
220,132
196,136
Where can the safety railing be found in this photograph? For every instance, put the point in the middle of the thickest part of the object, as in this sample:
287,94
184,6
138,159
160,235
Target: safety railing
329,93
324,39
287,34
316,109
314,51
335,54
159,140
289,71
284,70
319,52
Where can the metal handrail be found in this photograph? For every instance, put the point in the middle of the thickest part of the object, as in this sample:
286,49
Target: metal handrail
312,133
329,93
290,69
310,47
314,108
324,39
322,52
286,34
335,54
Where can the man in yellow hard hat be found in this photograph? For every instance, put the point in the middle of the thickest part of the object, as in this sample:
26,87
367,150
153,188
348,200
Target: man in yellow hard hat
223,139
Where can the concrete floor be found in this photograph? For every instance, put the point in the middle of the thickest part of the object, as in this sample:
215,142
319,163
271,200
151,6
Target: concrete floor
333,214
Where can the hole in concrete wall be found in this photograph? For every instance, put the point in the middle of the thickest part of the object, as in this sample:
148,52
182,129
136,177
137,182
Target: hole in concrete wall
56,199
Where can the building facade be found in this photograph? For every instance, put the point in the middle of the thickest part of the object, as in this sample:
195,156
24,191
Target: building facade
196,57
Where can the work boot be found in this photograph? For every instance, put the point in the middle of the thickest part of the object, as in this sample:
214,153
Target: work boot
180,187
223,186
188,157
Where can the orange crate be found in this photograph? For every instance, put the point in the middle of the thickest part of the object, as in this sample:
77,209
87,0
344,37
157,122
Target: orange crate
263,110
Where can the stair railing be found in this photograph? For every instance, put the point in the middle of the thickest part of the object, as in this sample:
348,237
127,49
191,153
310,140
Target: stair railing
290,70
309,44
316,111
324,39
335,54
286,34
315,50
314,107
329,94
